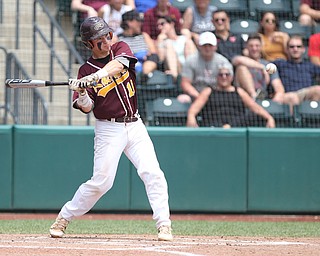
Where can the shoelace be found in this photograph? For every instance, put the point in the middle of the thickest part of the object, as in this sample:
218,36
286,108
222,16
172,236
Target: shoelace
60,224
165,230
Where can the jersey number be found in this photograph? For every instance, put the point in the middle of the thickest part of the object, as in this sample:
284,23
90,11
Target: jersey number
130,88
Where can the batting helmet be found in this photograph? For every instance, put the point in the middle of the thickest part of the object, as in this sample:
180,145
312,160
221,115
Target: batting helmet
93,28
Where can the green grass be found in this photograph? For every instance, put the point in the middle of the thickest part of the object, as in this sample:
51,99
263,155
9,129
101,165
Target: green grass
192,228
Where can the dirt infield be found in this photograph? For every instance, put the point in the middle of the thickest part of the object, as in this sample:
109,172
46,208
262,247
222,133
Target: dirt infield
72,245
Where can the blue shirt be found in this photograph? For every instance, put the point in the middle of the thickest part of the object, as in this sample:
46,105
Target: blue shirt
296,76
143,5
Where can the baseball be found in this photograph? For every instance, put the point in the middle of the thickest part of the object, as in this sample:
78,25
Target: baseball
271,68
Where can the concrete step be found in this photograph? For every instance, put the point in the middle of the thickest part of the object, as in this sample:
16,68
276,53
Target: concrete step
59,107
9,42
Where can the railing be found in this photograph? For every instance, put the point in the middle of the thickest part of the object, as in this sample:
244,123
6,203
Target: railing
73,55
1,10
22,106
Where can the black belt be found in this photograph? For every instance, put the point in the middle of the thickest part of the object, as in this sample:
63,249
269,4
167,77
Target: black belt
125,119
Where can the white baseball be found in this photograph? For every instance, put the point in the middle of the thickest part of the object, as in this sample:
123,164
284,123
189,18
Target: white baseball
271,68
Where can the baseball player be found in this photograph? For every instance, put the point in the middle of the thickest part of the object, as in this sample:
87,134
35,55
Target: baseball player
118,128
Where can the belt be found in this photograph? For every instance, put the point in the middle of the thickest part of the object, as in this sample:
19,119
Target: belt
125,119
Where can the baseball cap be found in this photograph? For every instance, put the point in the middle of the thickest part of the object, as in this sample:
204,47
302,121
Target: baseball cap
131,15
207,38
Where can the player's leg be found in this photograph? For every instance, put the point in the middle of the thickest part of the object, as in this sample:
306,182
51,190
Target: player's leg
110,140
141,153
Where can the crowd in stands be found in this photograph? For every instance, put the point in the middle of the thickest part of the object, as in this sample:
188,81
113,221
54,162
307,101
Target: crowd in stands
220,73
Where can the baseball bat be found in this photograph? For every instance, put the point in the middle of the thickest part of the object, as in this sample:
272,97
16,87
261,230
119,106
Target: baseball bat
29,83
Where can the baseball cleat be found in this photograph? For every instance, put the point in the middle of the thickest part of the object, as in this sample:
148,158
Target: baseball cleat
164,233
58,227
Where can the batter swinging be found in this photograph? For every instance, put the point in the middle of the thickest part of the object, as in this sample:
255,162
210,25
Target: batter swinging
118,128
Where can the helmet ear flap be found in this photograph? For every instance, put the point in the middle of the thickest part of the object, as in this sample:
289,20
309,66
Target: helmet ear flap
88,44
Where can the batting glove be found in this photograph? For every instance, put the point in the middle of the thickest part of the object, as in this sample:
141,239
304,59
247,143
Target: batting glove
74,85
89,81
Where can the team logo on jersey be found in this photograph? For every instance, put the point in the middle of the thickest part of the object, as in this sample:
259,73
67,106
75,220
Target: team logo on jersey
108,83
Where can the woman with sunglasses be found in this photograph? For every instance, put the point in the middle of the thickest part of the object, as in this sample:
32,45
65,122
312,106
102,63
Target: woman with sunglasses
274,42
173,48
225,105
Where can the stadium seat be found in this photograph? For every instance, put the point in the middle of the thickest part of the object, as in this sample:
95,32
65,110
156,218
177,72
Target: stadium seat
281,8
280,112
316,29
293,27
244,27
182,5
167,111
158,84
305,55
295,7
235,8
308,114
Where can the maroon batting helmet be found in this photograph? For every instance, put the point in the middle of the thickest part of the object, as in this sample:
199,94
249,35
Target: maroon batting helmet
93,28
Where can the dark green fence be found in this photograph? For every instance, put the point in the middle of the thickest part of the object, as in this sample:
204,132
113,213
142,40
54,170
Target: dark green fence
208,170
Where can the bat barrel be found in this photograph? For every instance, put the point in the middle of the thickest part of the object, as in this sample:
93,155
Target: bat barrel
29,83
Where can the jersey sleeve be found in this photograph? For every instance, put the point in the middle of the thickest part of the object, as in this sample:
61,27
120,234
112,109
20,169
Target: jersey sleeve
122,50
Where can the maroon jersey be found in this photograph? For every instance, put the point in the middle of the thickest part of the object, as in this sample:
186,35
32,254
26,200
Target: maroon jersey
113,96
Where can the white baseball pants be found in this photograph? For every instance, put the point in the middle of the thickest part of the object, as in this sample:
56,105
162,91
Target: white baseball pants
111,139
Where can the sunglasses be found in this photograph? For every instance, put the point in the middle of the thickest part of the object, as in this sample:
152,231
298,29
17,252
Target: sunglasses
161,23
270,21
224,74
295,46
222,19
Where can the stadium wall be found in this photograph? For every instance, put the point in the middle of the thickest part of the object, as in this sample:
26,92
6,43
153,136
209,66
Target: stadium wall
243,170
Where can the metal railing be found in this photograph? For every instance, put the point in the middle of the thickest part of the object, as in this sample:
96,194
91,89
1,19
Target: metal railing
22,106
73,55
55,60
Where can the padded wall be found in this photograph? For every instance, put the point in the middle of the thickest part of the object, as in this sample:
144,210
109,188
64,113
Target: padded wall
205,169
51,163
6,162
284,170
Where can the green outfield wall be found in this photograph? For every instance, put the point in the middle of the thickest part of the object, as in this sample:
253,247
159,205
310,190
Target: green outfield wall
208,170
6,167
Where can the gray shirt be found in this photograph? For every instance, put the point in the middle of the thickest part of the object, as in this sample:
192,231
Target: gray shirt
202,23
202,73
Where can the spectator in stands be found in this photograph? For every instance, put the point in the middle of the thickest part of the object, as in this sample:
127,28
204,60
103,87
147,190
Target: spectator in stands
229,45
143,5
197,19
88,8
251,74
314,49
225,105
141,44
274,42
173,49
309,12
298,74
162,9
200,69
112,14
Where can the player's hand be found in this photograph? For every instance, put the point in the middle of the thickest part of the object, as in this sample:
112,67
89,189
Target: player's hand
89,81
74,85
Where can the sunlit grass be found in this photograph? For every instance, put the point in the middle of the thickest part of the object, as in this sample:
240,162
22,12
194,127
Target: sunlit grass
180,227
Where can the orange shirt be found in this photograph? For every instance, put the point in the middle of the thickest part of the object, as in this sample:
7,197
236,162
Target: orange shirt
272,50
